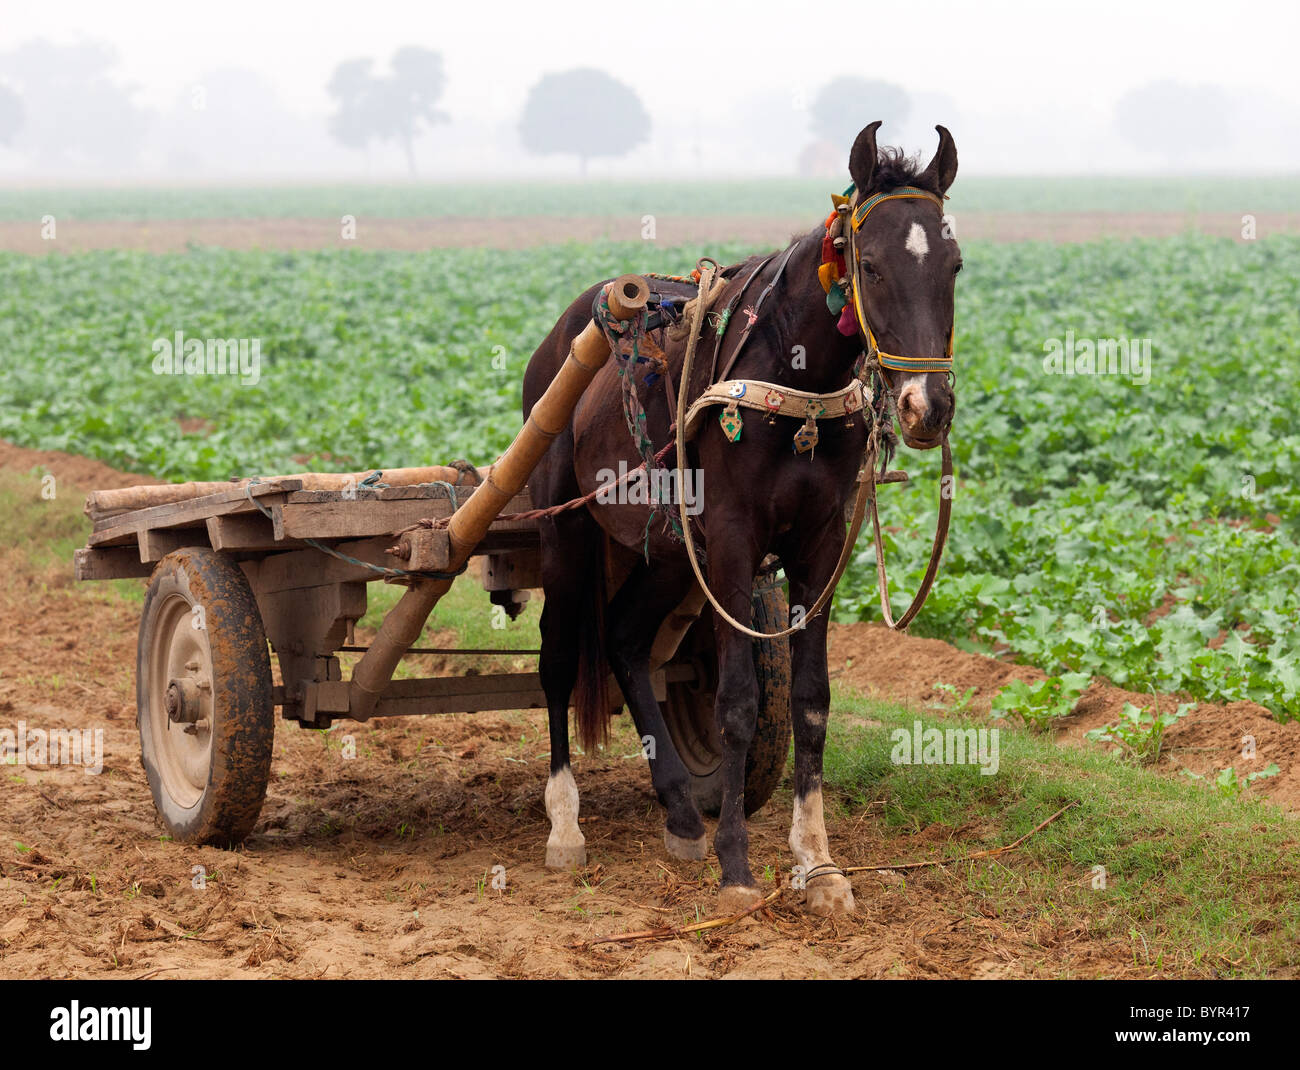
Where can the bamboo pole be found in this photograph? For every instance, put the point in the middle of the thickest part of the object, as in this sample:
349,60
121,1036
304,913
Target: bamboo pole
506,478
106,503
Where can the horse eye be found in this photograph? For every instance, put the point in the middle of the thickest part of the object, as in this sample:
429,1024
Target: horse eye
957,270
869,271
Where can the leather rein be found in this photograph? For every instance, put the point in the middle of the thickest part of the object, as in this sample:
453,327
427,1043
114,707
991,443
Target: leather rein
778,400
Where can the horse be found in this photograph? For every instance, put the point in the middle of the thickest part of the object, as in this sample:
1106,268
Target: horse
610,578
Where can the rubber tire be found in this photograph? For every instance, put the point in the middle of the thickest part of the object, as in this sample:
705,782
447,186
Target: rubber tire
243,711
770,748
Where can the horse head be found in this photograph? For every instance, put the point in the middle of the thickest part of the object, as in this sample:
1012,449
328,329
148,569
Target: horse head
903,266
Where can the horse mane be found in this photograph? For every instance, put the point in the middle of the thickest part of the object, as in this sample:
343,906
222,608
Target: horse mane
895,168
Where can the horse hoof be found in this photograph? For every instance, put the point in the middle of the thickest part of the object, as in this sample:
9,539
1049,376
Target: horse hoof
695,850
736,897
830,895
561,857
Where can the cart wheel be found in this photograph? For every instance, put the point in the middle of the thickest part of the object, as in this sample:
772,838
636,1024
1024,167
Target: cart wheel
203,698
690,716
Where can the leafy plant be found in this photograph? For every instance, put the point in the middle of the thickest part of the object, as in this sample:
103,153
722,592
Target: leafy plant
1041,703
959,705
1139,733
1229,784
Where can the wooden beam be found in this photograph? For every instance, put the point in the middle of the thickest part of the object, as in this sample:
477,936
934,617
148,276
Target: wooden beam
366,516
246,531
157,543
122,529
114,563
465,694
297,569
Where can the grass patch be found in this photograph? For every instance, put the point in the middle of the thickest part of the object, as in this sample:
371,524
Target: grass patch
1193,880
38,534
477,623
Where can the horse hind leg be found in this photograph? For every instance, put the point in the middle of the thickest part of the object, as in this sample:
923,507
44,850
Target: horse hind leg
635,614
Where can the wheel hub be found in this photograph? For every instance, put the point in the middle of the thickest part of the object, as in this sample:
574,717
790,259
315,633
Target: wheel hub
183,701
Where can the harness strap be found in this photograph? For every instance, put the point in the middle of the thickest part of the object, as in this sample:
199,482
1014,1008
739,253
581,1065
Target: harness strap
758,305
726,318
936,551
866,495
866,487
775,400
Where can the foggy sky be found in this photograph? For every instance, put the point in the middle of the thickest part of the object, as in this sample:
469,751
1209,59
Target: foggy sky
1025,87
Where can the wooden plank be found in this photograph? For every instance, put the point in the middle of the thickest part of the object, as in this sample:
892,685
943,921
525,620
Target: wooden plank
246,531
361,518
463,694
157,543
422,492
298,569
123,528
114,563
511,571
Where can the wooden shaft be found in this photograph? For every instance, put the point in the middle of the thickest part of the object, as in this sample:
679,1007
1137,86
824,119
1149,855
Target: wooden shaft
587,355
674,628
400,629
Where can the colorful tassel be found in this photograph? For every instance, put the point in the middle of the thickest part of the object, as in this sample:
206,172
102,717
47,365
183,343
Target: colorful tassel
848,322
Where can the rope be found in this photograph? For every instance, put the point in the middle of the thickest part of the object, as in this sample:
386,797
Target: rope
381,570
624,340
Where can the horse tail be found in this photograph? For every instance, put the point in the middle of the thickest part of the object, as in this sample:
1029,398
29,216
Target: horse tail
591,690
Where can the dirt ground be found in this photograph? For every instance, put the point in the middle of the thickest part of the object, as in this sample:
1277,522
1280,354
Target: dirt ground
160,236
382,865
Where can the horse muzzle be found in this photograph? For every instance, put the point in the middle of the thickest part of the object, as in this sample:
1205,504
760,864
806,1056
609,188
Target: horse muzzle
923,419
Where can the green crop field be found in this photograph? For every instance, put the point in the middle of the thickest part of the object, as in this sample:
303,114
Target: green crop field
784,198
1141,526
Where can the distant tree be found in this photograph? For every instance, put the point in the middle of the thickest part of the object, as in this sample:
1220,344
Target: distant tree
1177,121
583,113
844,105
392,107
11,114
75,112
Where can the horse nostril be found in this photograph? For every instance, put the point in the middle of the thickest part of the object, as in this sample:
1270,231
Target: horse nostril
910,408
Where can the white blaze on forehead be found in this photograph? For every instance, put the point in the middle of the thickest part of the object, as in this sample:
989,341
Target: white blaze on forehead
917,243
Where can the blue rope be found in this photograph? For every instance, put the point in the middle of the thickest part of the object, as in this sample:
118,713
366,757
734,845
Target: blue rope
371,481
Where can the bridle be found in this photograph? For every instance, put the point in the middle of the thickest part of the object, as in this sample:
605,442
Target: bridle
857,216
835,275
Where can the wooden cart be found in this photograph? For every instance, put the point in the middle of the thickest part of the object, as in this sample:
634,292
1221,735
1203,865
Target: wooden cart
276,566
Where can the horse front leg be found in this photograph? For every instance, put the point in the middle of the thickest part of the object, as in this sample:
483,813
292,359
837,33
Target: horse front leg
737,717
828,890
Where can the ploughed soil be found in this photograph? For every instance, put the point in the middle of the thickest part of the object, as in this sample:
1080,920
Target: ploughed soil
383,864
176,235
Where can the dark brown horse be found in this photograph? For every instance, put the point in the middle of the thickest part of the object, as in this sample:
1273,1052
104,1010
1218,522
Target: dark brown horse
760,497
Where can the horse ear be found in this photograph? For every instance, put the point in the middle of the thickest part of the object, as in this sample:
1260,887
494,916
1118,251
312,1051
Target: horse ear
943,168
862,158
